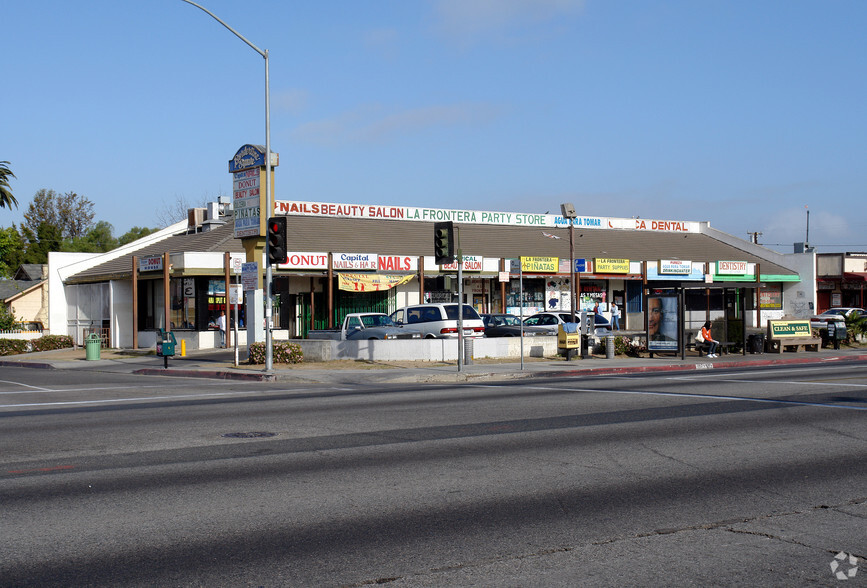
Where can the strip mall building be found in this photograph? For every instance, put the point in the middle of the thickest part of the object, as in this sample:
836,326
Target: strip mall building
353,257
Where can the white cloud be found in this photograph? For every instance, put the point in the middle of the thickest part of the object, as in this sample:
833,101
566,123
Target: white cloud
382,41
370,125
292,101
468,18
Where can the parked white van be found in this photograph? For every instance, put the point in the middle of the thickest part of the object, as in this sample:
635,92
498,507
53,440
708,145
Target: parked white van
440,321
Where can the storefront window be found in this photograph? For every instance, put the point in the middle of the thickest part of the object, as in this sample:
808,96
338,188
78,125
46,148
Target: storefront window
182,292
217,304
771,297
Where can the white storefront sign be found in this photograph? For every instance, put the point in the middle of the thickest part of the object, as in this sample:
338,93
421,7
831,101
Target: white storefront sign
355,261
472,263
150,264
486,217
398,263
675,266
731,268
299,260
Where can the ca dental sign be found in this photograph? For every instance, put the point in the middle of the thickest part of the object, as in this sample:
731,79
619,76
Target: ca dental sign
483,217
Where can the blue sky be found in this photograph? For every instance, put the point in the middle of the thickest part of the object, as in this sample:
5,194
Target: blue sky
740,113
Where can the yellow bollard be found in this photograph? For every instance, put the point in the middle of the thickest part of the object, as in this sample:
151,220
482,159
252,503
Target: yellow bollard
183,347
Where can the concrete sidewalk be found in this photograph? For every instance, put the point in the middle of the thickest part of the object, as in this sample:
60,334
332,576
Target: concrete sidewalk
219,364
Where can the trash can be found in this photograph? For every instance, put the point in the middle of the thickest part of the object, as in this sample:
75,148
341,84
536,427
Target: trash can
468,351
756,343
91,347
609,347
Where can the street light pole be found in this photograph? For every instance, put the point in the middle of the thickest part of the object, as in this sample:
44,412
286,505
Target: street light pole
269,351
568,211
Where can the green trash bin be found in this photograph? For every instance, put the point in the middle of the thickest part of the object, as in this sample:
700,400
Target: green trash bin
91,347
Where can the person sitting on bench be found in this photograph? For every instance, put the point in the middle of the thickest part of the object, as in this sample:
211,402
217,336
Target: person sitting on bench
711,342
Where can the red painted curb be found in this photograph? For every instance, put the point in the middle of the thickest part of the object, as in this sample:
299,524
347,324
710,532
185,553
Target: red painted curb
218,375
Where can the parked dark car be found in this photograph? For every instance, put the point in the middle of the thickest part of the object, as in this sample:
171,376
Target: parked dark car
508,325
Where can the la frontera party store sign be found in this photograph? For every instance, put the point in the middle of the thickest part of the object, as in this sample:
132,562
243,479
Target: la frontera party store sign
483,217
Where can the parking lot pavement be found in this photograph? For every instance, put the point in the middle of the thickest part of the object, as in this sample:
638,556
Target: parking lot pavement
219,363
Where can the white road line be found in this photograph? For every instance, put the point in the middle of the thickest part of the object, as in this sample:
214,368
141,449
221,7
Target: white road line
782,382
705,397
89,389
23,384
116,400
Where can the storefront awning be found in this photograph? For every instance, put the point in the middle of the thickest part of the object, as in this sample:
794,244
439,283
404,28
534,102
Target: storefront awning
855,276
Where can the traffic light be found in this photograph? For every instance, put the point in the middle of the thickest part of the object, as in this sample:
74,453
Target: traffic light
444,242
276,240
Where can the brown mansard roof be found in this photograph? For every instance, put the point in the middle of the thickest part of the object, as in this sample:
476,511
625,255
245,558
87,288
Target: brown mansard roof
320,234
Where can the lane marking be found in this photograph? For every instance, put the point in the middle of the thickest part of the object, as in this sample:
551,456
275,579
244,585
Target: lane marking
90,389
22,384
782,382
132,399
706,397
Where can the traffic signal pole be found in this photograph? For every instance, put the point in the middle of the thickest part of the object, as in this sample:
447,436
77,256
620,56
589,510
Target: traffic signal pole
460,301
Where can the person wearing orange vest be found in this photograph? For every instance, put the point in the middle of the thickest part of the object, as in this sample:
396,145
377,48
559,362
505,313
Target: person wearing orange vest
712,343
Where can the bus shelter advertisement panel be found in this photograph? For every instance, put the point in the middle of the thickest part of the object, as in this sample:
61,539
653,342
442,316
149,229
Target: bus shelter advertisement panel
662,324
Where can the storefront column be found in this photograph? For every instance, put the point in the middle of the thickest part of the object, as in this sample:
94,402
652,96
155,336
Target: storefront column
134,302
226,262
503,287
421,279
167,302
330,291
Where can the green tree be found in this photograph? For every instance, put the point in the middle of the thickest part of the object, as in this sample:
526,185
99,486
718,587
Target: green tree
134,234
71,213
46,238
7,319
98,239
12,250
6,197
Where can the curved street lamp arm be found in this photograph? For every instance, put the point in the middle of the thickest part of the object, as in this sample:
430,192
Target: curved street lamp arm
237,34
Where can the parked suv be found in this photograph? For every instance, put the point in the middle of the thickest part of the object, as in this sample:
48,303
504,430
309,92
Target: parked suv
439,321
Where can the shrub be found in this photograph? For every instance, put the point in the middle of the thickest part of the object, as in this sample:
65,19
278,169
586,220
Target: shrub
13,346
625,346
284,352
856,327
51,342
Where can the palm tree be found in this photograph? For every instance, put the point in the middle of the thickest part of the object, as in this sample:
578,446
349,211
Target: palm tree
6,197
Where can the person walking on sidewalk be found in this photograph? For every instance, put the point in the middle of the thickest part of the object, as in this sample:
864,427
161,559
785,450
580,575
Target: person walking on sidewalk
221,324
711,342
615,316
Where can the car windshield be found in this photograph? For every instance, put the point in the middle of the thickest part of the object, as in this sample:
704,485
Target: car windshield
831,311
377,320
469,312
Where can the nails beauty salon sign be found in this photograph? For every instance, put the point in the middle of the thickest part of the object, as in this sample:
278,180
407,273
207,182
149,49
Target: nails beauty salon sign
484,217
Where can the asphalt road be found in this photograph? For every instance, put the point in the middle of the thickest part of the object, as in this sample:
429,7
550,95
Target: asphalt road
730,477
